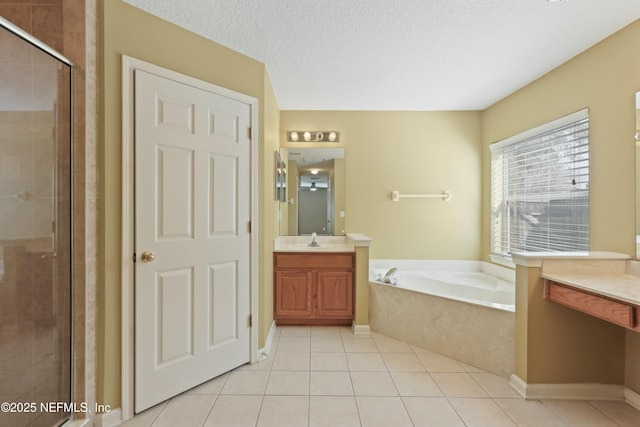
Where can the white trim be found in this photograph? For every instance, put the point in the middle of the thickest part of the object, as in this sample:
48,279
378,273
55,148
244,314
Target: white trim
263,353
85,422
108,419
632,398
130,64
568,391
518,385
360,329
505,261
538,130
128,237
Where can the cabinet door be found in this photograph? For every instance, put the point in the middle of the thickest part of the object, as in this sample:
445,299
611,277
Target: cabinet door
293,294
334,294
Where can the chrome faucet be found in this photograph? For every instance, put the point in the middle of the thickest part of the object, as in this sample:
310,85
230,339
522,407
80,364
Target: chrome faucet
388,277
314,240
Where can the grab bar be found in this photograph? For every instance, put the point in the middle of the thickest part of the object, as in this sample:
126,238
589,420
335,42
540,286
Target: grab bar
445,196
22,195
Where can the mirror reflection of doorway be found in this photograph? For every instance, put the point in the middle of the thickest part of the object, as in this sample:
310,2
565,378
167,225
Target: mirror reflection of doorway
312,211
315,201
35,229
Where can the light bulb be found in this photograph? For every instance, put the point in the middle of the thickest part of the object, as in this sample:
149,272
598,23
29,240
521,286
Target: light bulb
307,136
293,136
333,136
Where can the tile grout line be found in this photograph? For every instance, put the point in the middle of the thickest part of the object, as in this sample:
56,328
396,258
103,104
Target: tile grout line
589,402
355,400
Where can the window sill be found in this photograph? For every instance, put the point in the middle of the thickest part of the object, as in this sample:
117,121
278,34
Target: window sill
505,261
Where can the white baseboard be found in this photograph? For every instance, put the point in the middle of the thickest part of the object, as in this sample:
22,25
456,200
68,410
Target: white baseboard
571,391
263,353
108,419
632,398
85,422
518,385
360,329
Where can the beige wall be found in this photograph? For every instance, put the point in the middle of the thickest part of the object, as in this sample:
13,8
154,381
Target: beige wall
413,152
130,31
605,79
558,345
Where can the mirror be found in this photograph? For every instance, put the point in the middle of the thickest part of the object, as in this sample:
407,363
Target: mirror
315,198
280,178
638,175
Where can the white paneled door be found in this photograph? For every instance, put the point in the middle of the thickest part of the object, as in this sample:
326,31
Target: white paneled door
192,238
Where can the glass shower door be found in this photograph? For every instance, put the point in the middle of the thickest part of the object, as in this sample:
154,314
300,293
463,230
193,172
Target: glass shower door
35,234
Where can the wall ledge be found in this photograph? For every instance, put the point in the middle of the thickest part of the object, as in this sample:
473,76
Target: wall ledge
360,240
534,259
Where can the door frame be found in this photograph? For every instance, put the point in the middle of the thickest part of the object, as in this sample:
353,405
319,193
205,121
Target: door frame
129,65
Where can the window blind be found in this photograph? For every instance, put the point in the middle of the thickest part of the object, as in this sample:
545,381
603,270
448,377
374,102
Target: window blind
540,189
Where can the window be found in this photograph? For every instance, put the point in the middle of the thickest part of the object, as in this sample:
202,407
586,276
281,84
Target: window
540,189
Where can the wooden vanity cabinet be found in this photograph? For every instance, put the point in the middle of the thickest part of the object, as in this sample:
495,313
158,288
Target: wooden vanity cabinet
313,288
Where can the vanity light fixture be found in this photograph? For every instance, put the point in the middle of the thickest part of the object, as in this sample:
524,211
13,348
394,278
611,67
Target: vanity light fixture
313,136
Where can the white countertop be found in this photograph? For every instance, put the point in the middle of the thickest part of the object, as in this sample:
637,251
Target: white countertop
346,243
617,279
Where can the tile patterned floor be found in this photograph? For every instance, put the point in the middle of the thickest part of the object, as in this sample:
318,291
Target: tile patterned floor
327,377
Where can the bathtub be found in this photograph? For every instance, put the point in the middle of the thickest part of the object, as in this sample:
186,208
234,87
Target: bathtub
461,309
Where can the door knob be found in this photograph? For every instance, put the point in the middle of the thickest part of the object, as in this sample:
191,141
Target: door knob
148,256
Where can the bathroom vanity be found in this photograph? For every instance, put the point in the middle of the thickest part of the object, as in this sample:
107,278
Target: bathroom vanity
313,288
314,285
610,292
576,325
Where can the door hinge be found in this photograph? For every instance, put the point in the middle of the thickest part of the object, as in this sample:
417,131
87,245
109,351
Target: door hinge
250,321
249,227
134,257
249,132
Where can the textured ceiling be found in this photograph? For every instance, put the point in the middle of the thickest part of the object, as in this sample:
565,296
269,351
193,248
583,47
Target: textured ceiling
400,54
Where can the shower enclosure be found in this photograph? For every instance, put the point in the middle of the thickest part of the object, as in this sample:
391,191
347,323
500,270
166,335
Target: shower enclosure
35,232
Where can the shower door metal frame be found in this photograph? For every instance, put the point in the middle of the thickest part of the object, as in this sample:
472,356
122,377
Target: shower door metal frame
19,32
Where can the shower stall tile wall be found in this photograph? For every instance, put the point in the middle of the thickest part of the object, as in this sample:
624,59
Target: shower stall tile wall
35,229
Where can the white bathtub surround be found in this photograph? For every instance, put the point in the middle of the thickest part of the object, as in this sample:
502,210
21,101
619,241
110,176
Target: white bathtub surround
478,335
475,282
